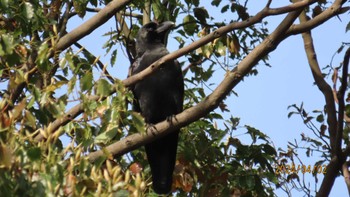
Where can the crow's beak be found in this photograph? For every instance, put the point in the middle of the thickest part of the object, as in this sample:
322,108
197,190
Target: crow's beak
164,27
163,31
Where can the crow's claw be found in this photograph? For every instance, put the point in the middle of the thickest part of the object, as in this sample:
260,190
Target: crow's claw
151,127
170,118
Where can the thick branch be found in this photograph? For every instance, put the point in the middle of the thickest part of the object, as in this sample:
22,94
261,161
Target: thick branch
333,10
324,87
332,172
208,104
340,96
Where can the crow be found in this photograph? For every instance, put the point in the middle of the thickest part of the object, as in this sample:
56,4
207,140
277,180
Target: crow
157,98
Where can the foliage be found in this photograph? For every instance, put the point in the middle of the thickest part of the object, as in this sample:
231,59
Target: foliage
60,104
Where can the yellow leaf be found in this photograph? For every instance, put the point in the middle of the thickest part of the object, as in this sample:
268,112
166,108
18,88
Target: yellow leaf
5,156
233,44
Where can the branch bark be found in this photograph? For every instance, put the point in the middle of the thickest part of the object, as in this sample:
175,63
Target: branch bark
146,12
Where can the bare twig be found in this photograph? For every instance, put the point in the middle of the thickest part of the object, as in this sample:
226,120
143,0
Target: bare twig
128,39
64,20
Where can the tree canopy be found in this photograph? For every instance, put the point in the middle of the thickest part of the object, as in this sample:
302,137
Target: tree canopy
67,129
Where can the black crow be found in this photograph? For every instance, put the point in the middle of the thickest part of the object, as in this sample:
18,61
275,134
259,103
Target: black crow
157,98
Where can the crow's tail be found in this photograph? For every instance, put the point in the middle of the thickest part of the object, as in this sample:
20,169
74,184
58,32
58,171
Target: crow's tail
161,156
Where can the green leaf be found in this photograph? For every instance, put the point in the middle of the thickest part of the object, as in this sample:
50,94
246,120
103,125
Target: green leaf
34,153
86,82
42,60
192,2
347,27
80,7
103,88
30,120
308,119
107,136
4,4
216,2
6,44
201,14
122,193
157,10
347,110
71,84
28,10
320,118
189,24
220,48
269,150
225,8
114,57
138,122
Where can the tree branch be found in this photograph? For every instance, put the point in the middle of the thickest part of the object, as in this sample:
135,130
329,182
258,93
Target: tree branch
340,96
322,85
328,180
208,104
146,12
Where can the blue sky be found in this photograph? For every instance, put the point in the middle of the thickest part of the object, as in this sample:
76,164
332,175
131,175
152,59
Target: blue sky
263,99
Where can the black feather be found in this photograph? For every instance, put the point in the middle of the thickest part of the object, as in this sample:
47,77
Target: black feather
158,97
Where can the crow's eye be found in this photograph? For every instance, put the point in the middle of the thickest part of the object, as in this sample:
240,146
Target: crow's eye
152,26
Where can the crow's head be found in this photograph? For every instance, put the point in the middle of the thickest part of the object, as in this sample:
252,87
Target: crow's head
152,33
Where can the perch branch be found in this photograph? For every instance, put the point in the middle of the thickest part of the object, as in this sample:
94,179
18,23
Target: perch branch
209,103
